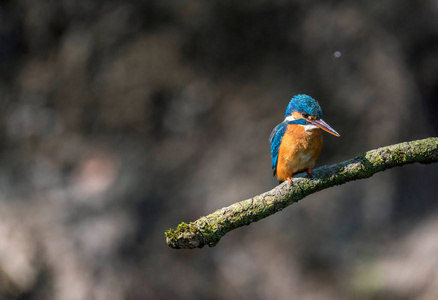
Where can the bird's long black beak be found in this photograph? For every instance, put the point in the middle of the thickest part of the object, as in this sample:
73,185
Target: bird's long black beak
324,126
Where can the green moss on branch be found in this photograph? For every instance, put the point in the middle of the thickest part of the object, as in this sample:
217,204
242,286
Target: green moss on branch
210,229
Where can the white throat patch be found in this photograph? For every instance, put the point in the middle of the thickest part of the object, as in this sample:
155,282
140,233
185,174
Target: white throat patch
309,127
289,118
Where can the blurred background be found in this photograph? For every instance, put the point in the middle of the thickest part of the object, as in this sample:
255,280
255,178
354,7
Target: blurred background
121,119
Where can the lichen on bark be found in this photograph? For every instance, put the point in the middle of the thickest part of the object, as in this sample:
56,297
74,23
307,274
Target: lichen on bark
208,230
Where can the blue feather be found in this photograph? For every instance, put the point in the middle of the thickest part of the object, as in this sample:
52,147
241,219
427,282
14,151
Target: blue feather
275,140
304,104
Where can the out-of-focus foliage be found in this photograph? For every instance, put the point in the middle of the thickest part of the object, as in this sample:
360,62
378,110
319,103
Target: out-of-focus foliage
121,119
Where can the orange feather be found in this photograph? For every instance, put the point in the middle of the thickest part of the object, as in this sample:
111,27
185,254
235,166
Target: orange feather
298,151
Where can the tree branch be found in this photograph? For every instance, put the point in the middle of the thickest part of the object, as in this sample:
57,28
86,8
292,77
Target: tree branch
210,229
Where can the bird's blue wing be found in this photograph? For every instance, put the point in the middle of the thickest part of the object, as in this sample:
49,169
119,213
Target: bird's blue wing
275,140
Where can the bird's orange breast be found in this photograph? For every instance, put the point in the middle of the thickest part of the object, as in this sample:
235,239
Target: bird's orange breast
298,151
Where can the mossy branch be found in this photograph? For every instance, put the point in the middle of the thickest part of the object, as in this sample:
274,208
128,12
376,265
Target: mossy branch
210,229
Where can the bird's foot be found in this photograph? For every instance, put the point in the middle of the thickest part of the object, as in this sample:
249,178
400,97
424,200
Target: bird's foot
289,179
309,173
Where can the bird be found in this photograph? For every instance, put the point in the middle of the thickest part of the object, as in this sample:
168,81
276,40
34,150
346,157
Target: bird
296,143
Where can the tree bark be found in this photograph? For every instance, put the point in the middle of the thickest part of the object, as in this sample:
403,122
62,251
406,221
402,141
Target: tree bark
210,229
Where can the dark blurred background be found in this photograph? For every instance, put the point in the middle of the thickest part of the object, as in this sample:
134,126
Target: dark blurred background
121,119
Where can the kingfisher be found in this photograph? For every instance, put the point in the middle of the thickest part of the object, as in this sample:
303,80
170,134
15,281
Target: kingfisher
296,143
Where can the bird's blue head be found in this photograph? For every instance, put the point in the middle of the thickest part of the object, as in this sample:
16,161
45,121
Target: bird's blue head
305,105
304,110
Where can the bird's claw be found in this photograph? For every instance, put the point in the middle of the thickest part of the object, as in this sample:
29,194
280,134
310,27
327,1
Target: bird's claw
309,172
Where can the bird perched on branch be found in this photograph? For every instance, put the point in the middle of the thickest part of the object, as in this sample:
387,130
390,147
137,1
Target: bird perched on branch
297,142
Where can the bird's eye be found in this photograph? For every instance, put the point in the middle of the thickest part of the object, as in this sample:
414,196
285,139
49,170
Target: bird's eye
305,115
